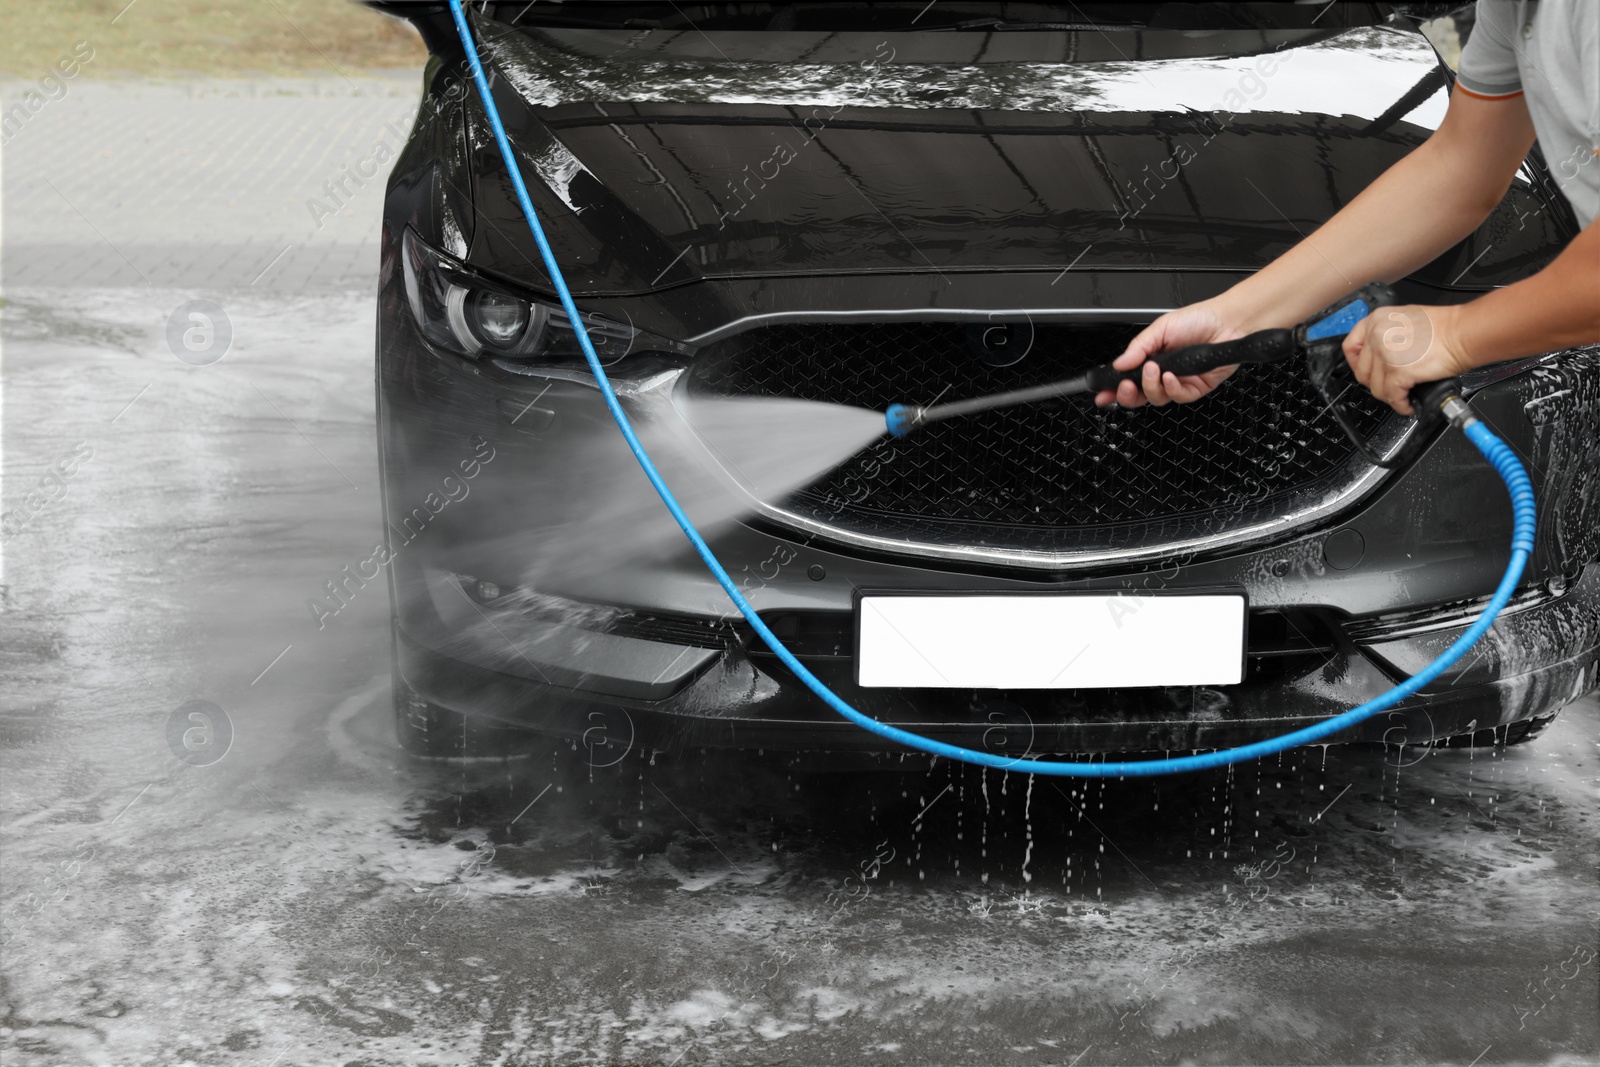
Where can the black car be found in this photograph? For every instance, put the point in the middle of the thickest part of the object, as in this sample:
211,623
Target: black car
868,203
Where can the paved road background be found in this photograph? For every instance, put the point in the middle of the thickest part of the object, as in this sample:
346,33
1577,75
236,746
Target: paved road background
315,898
204,182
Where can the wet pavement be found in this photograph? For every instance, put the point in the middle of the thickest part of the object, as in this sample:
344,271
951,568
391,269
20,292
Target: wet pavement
295,891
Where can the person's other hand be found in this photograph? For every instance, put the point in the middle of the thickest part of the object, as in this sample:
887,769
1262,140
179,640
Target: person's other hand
1397,348
1200,323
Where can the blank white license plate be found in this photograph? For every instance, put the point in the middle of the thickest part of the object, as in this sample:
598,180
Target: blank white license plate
1067,641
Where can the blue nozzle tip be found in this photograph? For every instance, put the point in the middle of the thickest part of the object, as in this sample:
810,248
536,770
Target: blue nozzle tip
898,419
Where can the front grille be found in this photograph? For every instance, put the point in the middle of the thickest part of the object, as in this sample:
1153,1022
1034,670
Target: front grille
1263,434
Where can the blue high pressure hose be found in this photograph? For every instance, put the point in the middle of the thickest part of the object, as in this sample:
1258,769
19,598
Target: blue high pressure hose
1496,451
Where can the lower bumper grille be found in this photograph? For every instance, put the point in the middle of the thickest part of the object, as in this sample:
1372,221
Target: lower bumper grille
1262,436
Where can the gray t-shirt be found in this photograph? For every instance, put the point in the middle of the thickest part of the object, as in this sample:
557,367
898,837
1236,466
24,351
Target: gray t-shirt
1550,51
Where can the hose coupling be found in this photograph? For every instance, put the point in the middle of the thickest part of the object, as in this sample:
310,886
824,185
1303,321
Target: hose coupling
1456,410
1443,397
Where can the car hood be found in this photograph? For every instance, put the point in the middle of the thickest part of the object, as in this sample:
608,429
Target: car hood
660,158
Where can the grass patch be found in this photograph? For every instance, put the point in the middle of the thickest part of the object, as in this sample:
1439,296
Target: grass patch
227,37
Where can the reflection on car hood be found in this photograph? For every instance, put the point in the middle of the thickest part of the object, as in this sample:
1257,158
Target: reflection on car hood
1353,72
781,153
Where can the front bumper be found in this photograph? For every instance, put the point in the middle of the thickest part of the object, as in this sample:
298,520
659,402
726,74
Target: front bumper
1534,661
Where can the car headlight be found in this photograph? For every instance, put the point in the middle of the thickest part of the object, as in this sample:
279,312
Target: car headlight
461,311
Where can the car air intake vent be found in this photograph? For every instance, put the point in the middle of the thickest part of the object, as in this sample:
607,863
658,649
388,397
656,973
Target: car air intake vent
1059,464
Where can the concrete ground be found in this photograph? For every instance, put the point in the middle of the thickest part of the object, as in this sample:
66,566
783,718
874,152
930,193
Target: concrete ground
302,894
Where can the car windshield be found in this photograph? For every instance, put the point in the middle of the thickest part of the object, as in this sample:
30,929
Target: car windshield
944,16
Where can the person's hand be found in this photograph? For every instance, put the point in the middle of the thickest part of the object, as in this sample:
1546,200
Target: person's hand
1201,323
1396,348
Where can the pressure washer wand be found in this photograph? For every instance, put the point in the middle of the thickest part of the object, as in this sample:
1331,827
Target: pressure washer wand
1317,337
1264,346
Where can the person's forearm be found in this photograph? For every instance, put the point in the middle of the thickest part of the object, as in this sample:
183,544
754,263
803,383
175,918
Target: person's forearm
1412,213
1557,308
1416,210
1396,349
